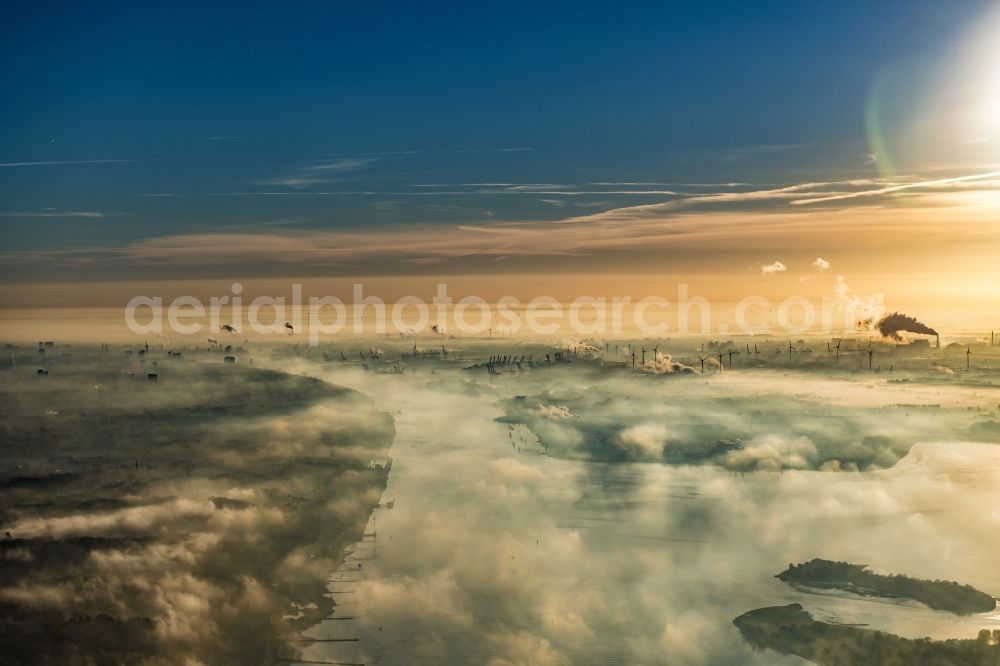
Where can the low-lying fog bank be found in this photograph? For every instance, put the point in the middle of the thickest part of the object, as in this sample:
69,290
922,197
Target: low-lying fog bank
496,554
759,421
192,519
557,510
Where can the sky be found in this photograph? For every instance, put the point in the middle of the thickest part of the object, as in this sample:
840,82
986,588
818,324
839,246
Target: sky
169,141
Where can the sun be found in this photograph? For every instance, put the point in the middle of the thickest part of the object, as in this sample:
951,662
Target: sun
977,71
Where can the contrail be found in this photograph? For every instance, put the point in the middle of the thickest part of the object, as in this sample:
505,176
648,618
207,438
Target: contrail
897,188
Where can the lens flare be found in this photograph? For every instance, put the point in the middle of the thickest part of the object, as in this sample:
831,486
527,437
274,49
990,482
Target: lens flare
938,111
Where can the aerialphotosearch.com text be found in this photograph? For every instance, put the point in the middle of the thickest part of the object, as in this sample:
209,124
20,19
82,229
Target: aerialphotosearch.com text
319,317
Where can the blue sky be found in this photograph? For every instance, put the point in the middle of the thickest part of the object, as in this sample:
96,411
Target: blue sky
123,122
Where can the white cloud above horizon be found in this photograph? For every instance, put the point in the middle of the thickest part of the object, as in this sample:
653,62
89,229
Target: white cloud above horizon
776,267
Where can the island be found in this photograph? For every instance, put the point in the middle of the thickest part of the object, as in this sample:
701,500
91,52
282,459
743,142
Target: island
856,579
792,630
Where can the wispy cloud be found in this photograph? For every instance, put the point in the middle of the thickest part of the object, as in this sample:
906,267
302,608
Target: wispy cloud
60,162
487,150
924,184
688,201
658,184
294,183
446,151
303,183
666,235
735,217
343,164
314,174
53,213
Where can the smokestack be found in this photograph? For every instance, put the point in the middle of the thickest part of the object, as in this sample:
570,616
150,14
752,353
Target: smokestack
891,325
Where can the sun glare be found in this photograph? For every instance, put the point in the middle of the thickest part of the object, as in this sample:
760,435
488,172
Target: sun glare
978,70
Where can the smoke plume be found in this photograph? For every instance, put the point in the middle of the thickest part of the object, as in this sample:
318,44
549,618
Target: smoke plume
893,324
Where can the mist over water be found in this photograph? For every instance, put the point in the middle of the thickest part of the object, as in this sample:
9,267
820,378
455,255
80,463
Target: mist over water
569,510
491,554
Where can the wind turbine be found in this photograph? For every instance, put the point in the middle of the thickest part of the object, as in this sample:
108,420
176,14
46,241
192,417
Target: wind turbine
839,342
720,355
790,350
871,353
644,357
702,359
633,359
731,352
968,355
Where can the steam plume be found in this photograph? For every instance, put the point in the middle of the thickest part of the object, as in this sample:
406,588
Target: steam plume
663,364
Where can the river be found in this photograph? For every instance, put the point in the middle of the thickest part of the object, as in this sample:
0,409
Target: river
494,553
